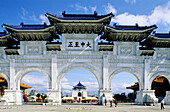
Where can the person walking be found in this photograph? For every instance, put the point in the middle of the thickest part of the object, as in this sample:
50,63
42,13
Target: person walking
105,101
162,104
110,103
115,103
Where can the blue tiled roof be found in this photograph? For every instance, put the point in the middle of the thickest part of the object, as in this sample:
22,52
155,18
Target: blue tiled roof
79,16
2,35
27,27
162,35
136,27
79,86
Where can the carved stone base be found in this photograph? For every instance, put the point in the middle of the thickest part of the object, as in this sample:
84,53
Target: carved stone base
12,97
54,97
146,97
167,98
105,95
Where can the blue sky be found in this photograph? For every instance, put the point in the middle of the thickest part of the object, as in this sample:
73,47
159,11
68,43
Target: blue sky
127,12
149,12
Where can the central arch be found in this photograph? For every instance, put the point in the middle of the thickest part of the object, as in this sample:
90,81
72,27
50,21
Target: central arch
69,67
124,69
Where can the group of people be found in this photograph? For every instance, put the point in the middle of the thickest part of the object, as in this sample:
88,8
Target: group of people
115,102
111,101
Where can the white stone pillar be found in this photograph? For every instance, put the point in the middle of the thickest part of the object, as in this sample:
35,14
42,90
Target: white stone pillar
54,97
146,84
54,72
12,84
12,97
105,72
167,98
145,95
105,91
104,94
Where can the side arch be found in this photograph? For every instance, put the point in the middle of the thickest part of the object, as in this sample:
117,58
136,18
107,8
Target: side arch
166,74
7,79
22,73
69,67
125,69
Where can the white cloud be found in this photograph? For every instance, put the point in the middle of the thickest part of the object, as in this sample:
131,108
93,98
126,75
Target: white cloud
93,8
23,14
64,79
130,19
130,1
86,9
90,79
109,8
160,16
37,82
44,19
78,6
33,18
26,16
120,88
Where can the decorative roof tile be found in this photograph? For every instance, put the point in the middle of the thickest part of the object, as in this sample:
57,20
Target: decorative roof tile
162,35
128,27
3,33
65,16
27,27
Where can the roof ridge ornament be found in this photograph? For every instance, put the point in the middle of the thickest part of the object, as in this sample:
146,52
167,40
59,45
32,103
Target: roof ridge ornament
21,23
95,13
63,13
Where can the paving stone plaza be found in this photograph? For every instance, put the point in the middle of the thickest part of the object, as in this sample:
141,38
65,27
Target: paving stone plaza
84,108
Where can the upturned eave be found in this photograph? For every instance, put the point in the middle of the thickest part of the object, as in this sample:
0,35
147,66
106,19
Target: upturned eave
57,19
12,29
150,29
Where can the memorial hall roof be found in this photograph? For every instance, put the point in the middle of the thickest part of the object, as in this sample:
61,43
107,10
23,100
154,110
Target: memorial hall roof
79,86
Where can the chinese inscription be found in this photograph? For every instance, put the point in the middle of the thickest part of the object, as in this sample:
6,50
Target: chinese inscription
76,44
79,44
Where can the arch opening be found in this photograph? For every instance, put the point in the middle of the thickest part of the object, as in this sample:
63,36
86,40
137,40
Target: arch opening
79,85
3,85
124,86
160,84
34,87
